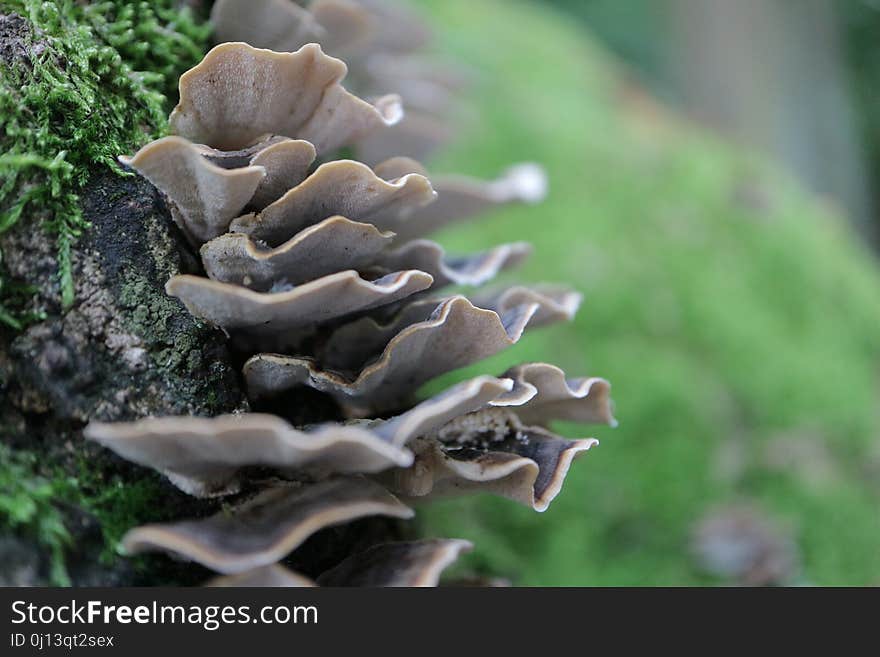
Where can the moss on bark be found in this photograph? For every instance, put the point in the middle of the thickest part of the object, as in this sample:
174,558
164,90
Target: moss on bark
123,350
101,340
81,84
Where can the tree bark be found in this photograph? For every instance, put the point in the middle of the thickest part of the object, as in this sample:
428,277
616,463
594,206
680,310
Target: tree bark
123,350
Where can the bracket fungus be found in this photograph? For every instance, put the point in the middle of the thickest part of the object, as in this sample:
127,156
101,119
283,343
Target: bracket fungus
267,527
284,25
316,302
456,334
472,270
342,187
380,40
528,468
403,564
332,245
415,563
318,270
274,576
203,456
238,94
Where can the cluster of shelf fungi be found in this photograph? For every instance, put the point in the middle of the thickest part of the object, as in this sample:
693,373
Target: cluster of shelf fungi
318,269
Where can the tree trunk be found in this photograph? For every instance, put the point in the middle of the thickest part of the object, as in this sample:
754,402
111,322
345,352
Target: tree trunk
124,349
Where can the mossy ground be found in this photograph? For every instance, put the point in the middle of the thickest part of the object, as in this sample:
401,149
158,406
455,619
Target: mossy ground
735,316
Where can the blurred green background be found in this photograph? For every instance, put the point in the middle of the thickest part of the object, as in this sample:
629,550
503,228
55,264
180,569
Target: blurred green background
732,301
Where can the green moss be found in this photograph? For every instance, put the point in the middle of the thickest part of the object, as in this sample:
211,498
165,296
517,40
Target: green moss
119,503
36,496
735,316
97,85
28,507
